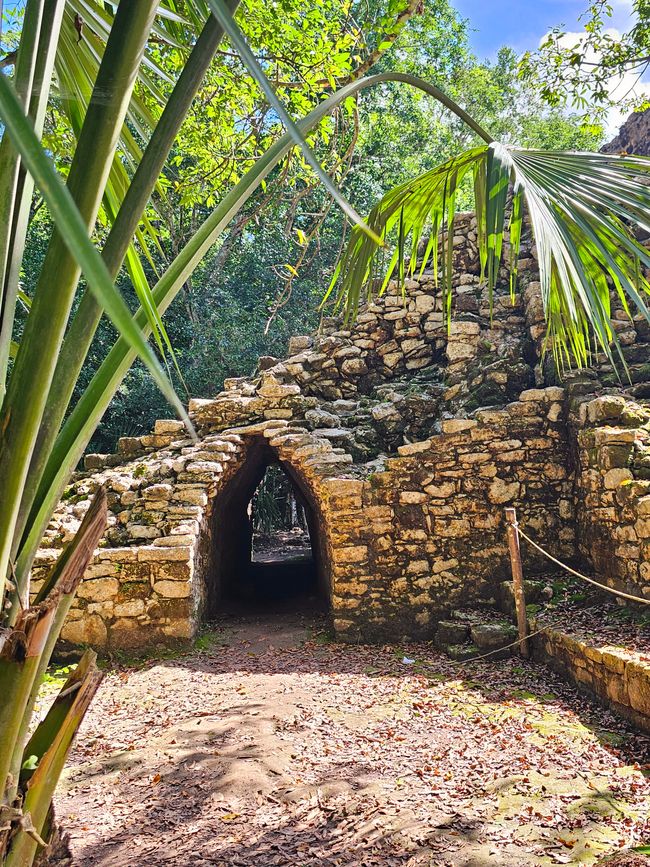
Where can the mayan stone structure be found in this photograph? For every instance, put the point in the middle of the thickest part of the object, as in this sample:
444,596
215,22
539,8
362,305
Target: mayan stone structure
405,440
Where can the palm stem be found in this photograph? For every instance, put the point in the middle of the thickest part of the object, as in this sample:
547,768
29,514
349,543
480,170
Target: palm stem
48,40
11,199
35,364
84,324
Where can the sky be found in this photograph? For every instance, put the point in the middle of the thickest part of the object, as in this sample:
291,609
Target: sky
521,24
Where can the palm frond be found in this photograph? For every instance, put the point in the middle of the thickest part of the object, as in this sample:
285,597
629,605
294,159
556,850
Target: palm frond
582,207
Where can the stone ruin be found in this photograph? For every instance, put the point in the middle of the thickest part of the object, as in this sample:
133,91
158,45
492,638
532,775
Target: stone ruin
404,440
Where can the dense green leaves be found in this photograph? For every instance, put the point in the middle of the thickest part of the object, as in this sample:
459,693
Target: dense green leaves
597,68
74,232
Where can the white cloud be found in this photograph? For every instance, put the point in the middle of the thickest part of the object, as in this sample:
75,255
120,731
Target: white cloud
620,87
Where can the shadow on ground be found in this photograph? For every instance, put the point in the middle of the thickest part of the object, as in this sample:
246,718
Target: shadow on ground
272,746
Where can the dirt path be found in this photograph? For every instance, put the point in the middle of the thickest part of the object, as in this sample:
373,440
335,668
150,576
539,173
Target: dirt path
271,747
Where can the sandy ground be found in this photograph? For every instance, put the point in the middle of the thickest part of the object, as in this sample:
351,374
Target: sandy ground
272,746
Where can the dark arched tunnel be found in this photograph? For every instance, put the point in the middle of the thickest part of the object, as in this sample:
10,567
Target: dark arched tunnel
244,576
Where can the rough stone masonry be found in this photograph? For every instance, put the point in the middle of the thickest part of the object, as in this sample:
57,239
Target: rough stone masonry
406,439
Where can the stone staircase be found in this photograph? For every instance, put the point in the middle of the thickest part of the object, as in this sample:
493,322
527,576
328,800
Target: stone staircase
471,632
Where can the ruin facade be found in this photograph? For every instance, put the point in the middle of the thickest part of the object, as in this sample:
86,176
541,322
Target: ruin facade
405,439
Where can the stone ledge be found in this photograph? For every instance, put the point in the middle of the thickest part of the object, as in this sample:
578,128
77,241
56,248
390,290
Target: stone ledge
618,678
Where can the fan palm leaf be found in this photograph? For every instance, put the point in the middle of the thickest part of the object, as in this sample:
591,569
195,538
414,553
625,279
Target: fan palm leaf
582,208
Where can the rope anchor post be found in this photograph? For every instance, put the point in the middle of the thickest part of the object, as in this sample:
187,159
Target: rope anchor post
517,580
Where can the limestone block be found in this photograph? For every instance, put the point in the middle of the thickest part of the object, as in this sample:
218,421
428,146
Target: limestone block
300,344
98,589
501,491
354,367
443,565
154,554
637,678
131,608
605,407
347,352
95,461
392,359
129,445
143,531
457,425
104,609
344,487
157,492
100,570
412,497
119,555
190,495
417,448
418,567
179,627
533,394
385,413
554,412
417,363
615,456
457,351
172,589
614,478
279,413
351,554
88,630
614,436
175,540
613,660
425,303
464,328
642,527
120,483
441,491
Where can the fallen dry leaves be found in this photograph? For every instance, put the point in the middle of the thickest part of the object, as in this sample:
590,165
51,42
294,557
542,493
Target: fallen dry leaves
269,749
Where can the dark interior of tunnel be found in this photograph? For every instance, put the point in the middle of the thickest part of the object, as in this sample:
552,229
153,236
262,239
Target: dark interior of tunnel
266,547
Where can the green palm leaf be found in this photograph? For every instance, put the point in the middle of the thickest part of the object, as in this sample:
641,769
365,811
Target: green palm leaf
582,208
67,216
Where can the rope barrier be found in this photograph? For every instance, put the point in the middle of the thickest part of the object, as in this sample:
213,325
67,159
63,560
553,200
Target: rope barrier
579,574
499,649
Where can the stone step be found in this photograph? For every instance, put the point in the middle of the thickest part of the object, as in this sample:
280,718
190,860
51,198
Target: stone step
534,592
470,633
462,652
493,636
451,632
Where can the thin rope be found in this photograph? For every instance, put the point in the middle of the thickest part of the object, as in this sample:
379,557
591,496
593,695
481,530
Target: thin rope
499,649
579,574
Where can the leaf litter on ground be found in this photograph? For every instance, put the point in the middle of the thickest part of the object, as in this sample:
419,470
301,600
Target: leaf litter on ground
275,749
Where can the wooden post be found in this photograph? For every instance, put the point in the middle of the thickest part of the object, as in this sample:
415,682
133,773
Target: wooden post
517,580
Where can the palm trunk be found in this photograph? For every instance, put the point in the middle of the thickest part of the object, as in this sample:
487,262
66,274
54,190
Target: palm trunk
24,656
82,329
22,409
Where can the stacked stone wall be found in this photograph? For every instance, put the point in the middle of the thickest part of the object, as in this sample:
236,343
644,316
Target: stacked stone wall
404,538
611,436
426,532
620,678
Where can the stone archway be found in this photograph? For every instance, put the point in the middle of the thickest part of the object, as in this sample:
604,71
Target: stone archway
226,569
